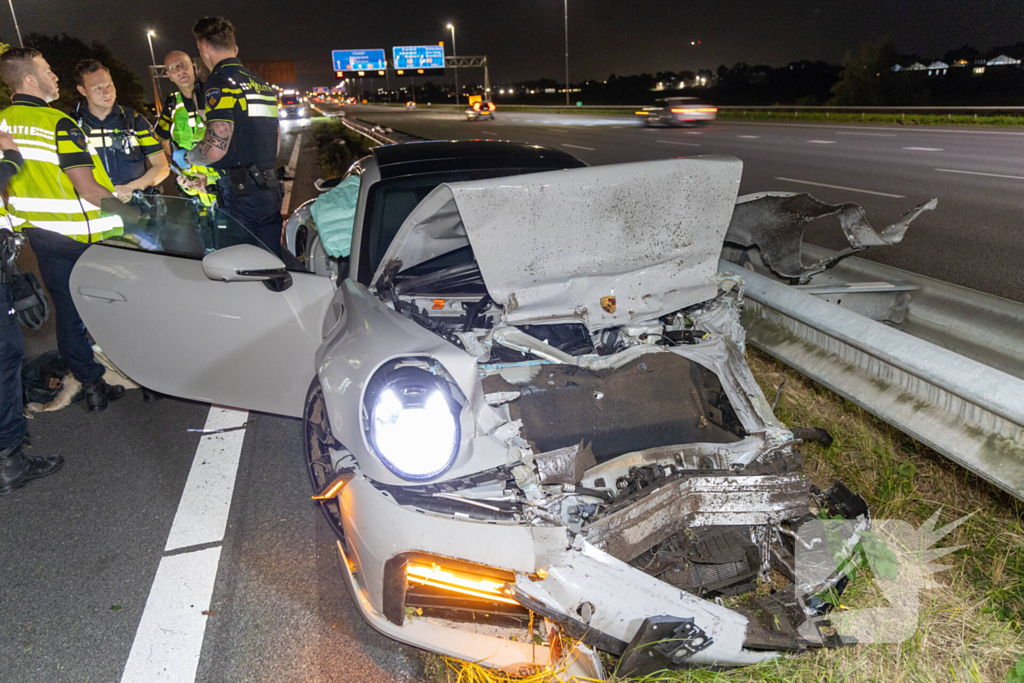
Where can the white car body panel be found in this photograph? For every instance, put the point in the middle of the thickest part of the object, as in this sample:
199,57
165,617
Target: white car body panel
606,245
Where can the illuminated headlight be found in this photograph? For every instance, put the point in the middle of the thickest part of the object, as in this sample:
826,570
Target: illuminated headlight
302,112
412,420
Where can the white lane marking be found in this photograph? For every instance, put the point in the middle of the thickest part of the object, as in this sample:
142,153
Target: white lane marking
589,149
556,130
489,132
840,187
676,142
821,142
749,137
988,175
869,135
924,149
169,639
693,132
293,161
203,511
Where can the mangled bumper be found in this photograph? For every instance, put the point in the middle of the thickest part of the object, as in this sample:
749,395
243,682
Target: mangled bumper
585,595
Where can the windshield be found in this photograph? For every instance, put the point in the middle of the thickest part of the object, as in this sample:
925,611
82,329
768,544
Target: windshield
178,226
391,201
289,99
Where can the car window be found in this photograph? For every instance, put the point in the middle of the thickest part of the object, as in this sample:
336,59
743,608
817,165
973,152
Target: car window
176,226
289,99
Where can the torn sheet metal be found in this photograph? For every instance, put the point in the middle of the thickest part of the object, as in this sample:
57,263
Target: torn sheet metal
629,531
565,465
775,222
606,245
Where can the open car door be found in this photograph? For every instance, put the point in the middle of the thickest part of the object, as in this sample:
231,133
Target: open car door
246,339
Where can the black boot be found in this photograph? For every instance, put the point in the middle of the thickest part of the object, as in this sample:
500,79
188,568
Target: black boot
98,394
148,395
16,470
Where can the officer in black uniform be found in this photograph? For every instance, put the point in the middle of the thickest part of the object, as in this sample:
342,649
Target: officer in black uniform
16,469
242,139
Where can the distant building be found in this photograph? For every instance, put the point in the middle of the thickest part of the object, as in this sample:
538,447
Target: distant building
1003,60
938,69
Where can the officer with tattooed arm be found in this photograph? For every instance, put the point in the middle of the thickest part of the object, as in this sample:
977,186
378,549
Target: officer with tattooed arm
242,139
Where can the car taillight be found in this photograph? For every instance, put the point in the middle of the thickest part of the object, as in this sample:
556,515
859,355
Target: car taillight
696,110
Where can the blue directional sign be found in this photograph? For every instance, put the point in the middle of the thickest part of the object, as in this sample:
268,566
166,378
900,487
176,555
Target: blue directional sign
419,57
358,60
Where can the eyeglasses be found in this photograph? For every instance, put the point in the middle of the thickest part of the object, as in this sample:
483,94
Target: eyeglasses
180,66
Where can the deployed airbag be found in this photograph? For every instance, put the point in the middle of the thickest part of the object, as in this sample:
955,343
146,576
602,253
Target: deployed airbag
335,216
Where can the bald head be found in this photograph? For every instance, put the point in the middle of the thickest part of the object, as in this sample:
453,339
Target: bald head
180,71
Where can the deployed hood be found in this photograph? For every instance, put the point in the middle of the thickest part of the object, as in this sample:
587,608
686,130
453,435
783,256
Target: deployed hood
605,245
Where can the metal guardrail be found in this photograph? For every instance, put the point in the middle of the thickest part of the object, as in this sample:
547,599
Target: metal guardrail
784,108
970,412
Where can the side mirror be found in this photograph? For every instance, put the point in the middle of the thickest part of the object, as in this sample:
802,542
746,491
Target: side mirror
247,263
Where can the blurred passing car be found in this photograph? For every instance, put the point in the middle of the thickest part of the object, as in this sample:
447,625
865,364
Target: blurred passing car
678,111
291,107
480,110
410,105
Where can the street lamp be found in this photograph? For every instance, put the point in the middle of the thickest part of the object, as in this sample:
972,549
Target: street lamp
156,85
451,27
567,53
15,17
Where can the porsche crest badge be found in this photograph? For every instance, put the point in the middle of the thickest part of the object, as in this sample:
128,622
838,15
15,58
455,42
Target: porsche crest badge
608,304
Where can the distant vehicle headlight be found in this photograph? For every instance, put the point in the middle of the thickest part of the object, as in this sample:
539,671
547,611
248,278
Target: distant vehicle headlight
412,420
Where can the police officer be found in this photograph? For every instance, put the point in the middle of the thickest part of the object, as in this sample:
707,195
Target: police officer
242,137
182,125
16,469
54,201
133,158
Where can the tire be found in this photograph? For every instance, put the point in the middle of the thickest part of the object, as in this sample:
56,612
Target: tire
317,441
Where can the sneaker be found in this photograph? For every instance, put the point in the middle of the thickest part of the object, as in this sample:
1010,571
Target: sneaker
16,470
98,394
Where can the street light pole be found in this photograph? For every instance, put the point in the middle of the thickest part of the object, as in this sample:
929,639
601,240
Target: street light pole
15,17
455,54
156,85
567,53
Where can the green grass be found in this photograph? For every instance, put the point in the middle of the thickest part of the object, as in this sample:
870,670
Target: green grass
970,629
337,146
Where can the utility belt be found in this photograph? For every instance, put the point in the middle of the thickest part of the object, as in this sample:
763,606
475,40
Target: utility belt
240,180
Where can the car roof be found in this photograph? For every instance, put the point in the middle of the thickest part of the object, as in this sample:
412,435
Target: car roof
434,156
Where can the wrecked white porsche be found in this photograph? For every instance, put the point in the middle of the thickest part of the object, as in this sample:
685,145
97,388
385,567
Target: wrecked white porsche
539,417
530,419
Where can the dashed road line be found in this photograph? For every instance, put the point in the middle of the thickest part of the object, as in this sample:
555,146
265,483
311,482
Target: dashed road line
677,142
840,187
924,149
821,142
489,132
169,638
868,135
293,161
749,137
987,175
589,149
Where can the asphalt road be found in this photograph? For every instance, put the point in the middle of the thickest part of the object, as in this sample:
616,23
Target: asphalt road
80,550
974,238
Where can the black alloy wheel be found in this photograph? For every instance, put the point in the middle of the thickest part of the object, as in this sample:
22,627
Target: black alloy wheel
318,443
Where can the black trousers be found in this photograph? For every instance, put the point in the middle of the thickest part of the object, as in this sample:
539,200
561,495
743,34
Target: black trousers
252,219
12,347
57,255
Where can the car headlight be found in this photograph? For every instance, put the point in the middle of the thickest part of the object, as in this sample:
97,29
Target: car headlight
412,419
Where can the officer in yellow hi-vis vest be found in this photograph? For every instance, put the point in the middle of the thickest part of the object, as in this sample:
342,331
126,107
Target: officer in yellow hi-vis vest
241,141
182,126
54,201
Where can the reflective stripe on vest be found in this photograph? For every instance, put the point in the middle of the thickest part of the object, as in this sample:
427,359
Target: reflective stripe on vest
41,194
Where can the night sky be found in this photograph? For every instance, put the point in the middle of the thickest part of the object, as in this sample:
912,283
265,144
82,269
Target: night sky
523,39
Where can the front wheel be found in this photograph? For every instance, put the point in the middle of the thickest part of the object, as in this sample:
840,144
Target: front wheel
318,443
